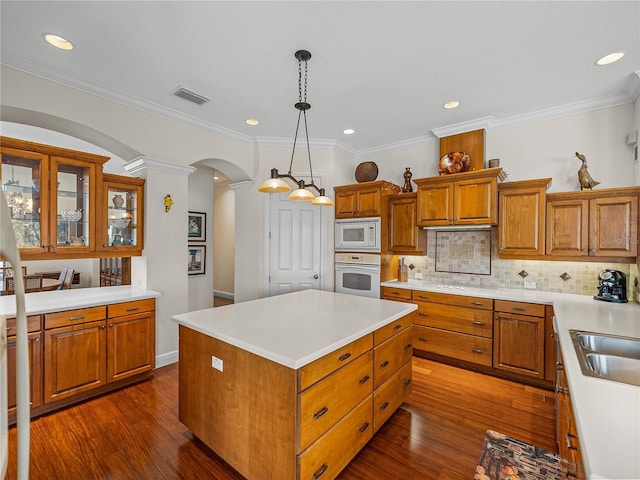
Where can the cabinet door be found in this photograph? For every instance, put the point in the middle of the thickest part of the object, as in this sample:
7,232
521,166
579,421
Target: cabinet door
346,205
613,226
74,360
521,222
567,227
130,345
120,229
518,344
435,204
475,202
368,204
404,235
35,371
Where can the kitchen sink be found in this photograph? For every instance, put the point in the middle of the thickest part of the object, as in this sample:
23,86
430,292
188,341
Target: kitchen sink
608,356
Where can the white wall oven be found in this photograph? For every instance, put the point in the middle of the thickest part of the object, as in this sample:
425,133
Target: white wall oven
358,235
358,274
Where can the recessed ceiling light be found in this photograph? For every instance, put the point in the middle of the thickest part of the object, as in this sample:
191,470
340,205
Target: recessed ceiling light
611,58
215,177
348,131
452,104
252,121
58,41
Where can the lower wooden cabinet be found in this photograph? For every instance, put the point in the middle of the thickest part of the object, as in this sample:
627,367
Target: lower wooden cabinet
468,348
568,444
390,395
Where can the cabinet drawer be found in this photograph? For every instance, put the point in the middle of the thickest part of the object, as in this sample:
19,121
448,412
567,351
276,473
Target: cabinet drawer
455,345
73,317
394,327
322,405
471,321
390,395
392,293
34,324
127,308
334,450
311,373
390,355
448,299
521,308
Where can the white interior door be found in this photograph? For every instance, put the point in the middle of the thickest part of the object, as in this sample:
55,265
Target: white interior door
295,246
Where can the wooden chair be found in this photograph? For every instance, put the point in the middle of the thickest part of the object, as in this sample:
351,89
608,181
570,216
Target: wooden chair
32,283
63,273
68,279
8,272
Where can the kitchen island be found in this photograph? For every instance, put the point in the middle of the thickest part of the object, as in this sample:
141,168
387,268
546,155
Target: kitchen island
293,386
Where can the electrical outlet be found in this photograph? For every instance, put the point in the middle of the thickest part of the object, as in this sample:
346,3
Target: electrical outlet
217,363
530,285
418,275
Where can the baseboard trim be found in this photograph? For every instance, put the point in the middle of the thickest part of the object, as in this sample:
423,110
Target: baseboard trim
166,359
220,293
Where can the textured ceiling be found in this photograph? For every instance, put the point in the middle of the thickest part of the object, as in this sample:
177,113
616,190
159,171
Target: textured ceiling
382,68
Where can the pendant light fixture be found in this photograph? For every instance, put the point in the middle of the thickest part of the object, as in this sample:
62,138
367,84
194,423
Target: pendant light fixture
275,184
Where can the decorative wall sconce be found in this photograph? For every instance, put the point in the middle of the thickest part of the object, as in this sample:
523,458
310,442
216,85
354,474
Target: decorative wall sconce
168,201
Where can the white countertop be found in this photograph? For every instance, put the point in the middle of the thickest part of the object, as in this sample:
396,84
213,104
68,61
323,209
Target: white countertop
60,300
607,413
296,328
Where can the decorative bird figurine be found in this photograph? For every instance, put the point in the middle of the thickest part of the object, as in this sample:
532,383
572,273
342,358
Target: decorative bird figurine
583,174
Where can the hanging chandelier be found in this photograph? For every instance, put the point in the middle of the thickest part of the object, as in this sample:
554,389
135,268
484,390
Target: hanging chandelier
275,184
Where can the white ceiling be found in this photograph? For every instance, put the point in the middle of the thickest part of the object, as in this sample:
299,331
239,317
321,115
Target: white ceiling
382,68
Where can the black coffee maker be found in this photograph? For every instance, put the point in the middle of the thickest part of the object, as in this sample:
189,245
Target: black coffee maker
612,286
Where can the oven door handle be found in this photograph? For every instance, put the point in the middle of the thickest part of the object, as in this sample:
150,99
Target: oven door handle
357,266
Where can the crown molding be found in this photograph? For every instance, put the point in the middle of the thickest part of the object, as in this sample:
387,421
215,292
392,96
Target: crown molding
397,146
145,163
462,127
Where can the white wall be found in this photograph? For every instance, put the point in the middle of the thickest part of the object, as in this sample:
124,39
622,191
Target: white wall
224,229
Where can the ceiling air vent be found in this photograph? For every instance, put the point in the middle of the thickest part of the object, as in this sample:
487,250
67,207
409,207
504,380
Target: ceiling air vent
191,96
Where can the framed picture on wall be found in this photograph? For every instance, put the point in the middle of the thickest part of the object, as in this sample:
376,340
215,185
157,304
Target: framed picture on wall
196,259
197,226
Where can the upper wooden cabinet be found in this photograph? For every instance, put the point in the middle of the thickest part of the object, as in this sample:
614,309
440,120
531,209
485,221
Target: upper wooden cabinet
404,235
521,218
600,223
57,202
469,198
362,199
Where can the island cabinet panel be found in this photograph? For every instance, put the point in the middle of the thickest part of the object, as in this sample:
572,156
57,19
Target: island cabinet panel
389,356
390,395
245,413
326,402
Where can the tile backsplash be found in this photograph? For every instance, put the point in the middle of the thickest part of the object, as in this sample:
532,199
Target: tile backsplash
581,278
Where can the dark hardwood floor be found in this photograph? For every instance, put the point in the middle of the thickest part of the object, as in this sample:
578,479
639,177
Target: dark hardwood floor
134,433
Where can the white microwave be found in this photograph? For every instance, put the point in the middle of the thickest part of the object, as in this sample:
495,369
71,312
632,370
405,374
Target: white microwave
358,235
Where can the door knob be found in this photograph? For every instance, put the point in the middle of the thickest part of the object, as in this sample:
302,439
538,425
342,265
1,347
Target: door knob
315,277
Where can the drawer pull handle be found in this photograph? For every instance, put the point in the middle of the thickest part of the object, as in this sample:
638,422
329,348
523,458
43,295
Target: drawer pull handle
571,474
131,309
364,427
422,296
384,406
569,446
320,472
423,314
477,350
344,357
478,323
408,346
519,309
480,304
320,413
423,339
384,364
396,293
407,382
79,317
397,327
364,380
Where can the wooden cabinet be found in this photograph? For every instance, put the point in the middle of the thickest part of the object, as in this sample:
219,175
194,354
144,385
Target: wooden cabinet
600,223
469,198
519,338
568,443
120,232
34,341
362,199
403,234
521,218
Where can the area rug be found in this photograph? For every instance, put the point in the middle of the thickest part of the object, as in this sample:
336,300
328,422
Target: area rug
505,458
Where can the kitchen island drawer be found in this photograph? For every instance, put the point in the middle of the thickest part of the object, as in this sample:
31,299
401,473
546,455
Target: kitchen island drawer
390,355
447,299
74,317
455,345
326,402
311,373
471,321
388,331
390,395
326,458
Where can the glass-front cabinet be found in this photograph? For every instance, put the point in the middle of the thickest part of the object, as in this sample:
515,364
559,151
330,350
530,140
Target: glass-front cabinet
63,206
121,231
